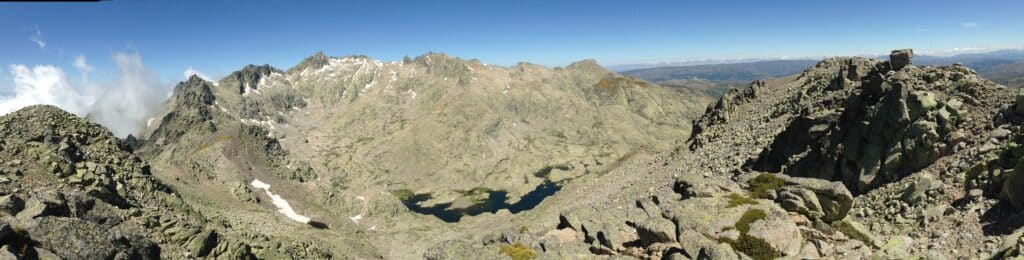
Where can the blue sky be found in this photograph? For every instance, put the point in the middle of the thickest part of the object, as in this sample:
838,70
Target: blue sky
217,37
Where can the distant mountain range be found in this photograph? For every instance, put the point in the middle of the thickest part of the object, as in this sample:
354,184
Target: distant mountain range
1003,66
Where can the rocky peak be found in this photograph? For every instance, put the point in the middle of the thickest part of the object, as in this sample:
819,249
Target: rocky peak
249,76
588,65
189,107
194,91
317,61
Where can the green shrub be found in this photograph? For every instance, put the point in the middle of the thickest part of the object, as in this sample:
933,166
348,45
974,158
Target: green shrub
755,248
737,200
751,246
518,251
760,185
749,217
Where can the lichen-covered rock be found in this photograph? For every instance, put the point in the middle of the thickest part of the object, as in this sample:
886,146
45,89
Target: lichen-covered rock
779,232
831,201
72,238
855,230
45,203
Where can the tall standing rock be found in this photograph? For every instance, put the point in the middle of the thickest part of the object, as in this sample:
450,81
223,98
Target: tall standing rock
901,58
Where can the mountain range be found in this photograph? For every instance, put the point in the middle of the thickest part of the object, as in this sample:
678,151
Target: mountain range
440,157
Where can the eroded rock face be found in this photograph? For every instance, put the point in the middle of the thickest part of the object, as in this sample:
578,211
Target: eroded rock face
893,123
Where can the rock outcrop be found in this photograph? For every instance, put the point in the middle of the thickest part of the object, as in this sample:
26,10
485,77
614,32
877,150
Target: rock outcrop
75,191
893,123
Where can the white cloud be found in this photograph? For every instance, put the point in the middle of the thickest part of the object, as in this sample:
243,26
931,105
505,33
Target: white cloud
191,71
122,105
126,104
38,38
43,84
970,24
81,65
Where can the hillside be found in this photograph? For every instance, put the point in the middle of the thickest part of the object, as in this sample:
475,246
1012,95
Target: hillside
1009,74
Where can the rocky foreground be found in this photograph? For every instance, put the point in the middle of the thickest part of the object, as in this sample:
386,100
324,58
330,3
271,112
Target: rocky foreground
74,191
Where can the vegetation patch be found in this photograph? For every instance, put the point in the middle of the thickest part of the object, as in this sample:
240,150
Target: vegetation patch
755,248
751,246
738,200
403,194
518,251
749,217
760,185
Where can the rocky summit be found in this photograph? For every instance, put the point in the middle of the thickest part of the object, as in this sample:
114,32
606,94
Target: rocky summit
439,157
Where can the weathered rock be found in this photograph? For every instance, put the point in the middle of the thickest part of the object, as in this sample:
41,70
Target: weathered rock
855,230
656,230
10,205
816,198
1013,186
1000,133
610,236
915,193
900,59
779,232
800,200
45,203
898,247
202,243
700,246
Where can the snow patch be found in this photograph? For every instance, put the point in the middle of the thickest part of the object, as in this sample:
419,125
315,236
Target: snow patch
282,205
